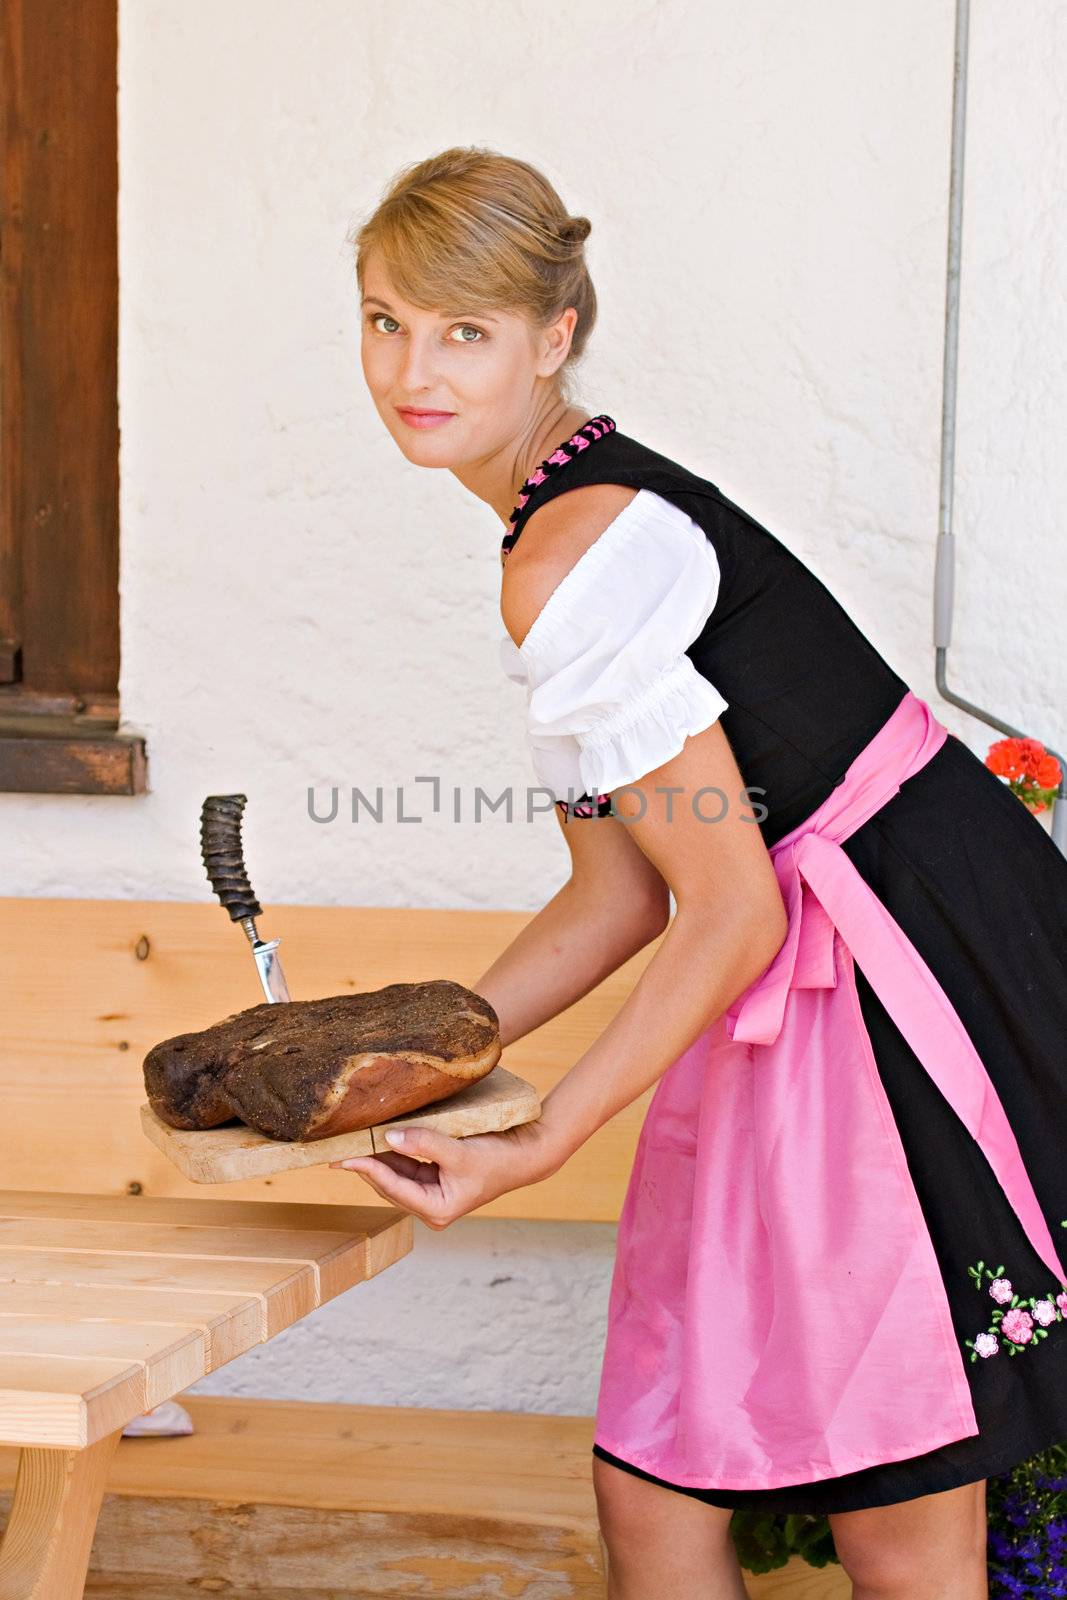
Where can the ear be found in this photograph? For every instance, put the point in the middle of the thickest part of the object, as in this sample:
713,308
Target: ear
556,342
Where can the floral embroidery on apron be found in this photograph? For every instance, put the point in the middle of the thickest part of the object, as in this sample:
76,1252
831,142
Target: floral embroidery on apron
1012,1324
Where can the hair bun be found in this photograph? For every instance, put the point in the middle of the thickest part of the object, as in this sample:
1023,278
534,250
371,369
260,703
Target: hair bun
575,230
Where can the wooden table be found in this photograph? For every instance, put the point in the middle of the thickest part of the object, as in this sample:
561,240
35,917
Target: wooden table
111,1304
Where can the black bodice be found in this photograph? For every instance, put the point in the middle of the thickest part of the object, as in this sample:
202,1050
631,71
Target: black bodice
806,690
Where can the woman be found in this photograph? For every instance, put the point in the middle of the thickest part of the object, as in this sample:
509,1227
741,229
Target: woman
837,1286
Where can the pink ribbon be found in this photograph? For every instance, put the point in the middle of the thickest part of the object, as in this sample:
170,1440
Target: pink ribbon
822,890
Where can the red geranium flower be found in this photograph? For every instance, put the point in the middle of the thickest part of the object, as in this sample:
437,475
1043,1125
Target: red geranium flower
1030,772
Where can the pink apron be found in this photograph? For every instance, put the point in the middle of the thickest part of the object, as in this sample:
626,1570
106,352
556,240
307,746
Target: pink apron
777,1313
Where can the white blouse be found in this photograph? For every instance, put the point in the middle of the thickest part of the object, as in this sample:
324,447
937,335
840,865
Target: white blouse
611,694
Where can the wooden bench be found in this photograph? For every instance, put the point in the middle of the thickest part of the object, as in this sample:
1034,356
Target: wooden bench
322,1500
279,1498
90,985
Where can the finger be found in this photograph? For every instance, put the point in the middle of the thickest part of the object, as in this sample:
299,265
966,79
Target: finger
427,1143
365,1173
426,1173
406,1193
407,1165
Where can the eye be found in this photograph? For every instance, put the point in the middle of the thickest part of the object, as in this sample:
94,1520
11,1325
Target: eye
374,316
467,327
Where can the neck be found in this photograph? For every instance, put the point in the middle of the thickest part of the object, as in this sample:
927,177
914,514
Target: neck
498,478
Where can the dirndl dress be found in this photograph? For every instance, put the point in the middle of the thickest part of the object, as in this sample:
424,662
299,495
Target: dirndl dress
840,1272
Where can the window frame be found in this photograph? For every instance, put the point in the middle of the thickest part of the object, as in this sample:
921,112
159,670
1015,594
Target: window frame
59,427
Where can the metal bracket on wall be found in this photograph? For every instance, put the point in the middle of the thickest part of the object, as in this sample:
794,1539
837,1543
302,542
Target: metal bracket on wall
946,544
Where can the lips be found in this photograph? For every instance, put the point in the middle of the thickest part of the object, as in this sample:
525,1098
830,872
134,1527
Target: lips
416,416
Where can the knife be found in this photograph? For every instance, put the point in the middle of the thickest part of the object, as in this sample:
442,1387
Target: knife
223,857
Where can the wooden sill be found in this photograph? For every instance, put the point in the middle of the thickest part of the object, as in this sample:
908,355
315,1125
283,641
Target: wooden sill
47,747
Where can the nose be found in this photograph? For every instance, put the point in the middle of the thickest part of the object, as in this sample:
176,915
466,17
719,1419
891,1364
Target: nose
417,371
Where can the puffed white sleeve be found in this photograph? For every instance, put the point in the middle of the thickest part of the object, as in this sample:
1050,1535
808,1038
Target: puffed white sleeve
611,694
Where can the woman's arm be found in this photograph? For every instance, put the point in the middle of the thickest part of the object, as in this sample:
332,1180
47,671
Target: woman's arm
728,928
729,925
614,903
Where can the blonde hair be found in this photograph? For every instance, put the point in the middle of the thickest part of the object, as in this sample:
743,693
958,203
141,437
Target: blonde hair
473,228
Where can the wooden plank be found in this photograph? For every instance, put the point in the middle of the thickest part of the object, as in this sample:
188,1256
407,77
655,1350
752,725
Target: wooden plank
177,1239
112,763
85,1339
410,1460
147,1549
283,1256
203,1211
173,1358
147,970
285,1293
336,1260
343,1244
236,1152
53,1401
228,1324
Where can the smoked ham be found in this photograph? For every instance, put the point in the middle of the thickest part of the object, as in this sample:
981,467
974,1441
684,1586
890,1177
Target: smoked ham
306,1069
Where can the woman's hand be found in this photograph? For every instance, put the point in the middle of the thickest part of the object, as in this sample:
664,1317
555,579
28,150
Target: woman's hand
454,1176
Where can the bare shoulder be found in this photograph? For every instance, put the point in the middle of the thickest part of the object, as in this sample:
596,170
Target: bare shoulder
553,538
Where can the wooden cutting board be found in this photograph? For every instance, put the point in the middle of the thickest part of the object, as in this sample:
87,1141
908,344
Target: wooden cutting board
228,1154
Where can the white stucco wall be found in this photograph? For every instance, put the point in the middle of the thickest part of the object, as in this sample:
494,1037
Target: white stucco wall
768,187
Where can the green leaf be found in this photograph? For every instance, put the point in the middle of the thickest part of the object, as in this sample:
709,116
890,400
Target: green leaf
764,1541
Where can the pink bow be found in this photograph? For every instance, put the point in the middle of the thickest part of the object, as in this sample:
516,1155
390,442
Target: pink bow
825,898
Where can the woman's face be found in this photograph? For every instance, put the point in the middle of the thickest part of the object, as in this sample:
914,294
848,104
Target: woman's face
476,373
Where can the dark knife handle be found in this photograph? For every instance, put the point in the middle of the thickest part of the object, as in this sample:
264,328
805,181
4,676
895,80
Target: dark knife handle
221,849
